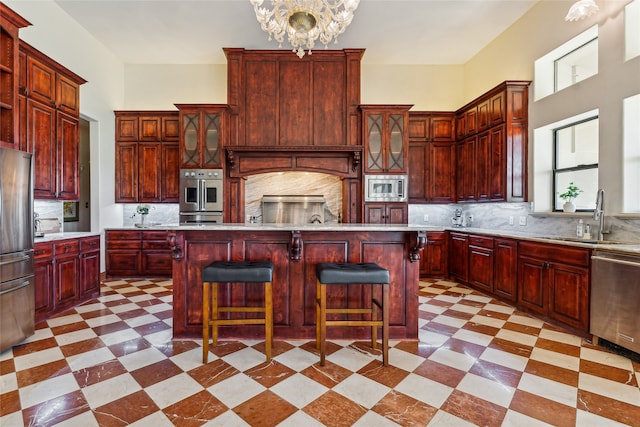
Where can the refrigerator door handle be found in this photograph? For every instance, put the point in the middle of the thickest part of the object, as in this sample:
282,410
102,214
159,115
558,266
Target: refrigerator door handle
15,288
14,260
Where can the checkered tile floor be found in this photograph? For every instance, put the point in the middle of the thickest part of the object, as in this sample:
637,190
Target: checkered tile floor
111,362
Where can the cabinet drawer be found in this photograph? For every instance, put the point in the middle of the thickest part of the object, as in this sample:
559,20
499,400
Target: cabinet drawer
123,235
154,235
556,253
67,247
481,241
155,244
43,250
123,244
90,244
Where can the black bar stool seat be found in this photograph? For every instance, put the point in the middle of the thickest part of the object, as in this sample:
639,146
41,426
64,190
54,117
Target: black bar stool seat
235,272
353,274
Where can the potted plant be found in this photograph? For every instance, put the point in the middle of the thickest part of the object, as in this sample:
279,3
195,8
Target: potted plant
569,196
143,211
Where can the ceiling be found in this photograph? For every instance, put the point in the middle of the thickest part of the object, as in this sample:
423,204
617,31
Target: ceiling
433,32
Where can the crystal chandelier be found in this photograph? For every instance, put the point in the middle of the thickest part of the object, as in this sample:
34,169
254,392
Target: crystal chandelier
305,21
581,9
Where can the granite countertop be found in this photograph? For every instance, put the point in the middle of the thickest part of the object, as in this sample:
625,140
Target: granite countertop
50,237
624,247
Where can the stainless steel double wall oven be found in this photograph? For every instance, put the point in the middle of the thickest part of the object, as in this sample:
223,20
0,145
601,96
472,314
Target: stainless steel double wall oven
201,196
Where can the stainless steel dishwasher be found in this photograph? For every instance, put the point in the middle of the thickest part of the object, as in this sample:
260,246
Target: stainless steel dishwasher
615,298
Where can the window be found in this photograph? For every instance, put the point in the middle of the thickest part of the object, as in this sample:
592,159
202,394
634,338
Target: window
576,65
632,29
568,64
631,144
576,160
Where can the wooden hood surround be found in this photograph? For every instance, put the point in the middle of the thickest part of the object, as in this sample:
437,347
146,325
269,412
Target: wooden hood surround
291,114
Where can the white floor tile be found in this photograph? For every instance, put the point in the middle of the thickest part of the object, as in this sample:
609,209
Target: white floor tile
47,390
173,389
299,390
486,389
235,390
362,390
614,390
424,389
549,389
109,390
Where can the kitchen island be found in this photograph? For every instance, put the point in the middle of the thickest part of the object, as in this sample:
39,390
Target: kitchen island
295,250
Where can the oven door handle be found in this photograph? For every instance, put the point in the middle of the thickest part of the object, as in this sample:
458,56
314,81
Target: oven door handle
202,190
616,261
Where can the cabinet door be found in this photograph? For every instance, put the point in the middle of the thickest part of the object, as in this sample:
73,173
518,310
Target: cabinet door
397,213
126,128
66,279
212,122
417,172
434,259
497,164
41,135
482,165
441,172
374,143
443,128
505,277
375,213
41,82
89,273
149,171
126,172
169,173
533,280
481,268
67,95
458,256
569,295
68,157
150,128
465,170
171,128
395,150
122,262
44,284
89,281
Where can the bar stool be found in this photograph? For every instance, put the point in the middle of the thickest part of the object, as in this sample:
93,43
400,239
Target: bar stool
352,274
235,272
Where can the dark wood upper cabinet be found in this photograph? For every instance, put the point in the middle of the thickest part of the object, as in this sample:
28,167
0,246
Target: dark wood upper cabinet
203,135
385,138
147,163
49,123
10,24
279,100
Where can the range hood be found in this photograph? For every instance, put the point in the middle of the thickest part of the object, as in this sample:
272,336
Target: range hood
294,209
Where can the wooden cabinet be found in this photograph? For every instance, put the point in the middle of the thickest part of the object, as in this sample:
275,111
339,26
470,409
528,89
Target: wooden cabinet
147,166
385,138
432,157
492,145
481,259
553,281
51,94
44,279
458,256
505,269
280,100
137,253
386,213
89,266
433,261
202,135
10,24
67,273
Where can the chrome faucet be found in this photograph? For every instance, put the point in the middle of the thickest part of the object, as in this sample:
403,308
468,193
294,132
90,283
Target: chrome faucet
598,214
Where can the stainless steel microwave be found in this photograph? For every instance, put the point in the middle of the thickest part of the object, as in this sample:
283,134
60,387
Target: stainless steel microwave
385,188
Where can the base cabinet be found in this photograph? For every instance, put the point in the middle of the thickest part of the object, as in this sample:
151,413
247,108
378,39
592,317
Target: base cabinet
133,253
553,281
433,261
459,257
67,273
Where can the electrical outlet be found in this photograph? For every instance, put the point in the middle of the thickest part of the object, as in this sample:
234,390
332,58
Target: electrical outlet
511,220
470,219
425,218
523,220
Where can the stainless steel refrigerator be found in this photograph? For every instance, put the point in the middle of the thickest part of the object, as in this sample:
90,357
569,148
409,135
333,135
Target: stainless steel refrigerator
17,302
